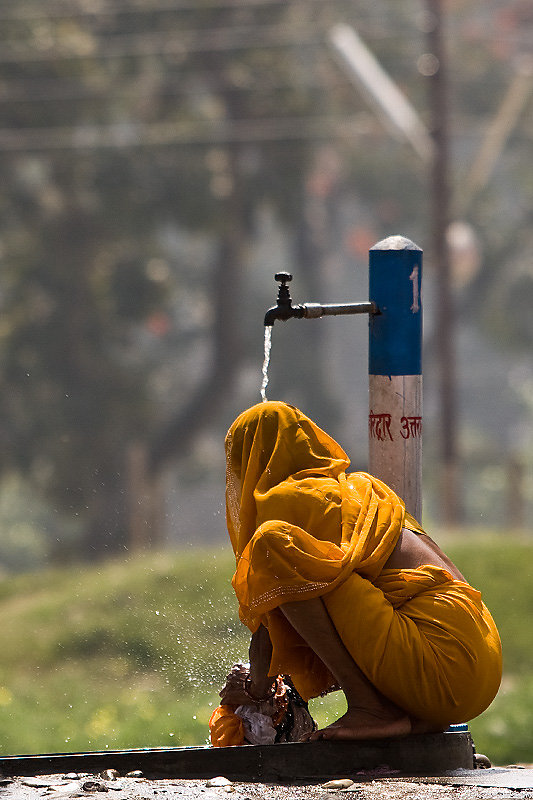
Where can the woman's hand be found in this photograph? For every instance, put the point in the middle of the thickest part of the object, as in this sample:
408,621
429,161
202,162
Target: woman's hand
239,690
233,692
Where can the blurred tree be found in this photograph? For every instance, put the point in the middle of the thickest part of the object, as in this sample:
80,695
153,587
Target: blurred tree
71,400
132,130
82,228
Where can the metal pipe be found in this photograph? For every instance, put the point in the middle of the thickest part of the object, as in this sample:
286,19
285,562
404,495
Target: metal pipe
314,310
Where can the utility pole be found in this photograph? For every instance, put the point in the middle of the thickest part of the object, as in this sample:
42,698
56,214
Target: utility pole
402,121
440,219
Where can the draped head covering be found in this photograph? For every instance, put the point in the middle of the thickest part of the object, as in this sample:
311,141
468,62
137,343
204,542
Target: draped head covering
266,445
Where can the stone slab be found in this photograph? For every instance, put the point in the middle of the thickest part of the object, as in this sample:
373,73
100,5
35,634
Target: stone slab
495,777
429,754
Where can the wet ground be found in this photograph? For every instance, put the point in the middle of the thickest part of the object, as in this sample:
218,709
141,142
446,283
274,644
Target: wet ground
489,784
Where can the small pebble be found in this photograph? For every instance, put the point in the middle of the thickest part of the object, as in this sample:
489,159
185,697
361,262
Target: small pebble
37,783
94,786
72,776
481,761
220,780
110,774
73,789
135,773
339,783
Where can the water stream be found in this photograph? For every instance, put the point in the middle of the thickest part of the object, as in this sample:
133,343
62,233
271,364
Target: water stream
268,345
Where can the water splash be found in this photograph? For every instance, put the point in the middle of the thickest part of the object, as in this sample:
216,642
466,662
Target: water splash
268,345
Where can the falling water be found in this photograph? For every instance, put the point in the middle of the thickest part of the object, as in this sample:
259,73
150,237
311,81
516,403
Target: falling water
268,345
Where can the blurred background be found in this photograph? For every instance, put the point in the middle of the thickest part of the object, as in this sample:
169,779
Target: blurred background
160,160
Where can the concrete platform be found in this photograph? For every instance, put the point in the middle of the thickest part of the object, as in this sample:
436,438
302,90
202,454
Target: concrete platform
515,778
428,754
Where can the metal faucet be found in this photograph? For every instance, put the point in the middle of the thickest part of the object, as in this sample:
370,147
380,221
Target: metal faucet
285,309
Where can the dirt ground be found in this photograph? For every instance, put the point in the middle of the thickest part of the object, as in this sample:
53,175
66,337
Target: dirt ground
115,787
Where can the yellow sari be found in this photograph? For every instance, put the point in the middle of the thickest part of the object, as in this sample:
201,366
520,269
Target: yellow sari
302,527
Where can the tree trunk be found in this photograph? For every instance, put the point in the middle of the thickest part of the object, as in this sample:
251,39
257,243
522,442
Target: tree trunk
177,436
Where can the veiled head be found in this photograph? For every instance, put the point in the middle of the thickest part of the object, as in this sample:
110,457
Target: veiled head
267,444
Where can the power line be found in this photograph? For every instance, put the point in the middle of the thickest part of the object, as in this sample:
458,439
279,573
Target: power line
161,134
180,43
66,89
53,92
132,135
163,44
54,11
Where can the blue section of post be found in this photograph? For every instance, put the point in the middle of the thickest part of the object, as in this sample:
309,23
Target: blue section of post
395,280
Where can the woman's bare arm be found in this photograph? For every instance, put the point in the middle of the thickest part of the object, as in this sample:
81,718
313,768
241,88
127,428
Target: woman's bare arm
243,686
260,654
417,549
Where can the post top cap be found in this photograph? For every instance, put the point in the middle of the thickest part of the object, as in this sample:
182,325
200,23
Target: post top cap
396,243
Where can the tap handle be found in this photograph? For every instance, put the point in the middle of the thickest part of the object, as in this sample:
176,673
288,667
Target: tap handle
284,295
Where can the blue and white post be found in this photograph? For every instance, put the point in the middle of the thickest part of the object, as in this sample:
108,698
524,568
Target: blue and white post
395,369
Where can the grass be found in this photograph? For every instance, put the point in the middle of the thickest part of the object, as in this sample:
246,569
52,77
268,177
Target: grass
132,653
502,567
128,654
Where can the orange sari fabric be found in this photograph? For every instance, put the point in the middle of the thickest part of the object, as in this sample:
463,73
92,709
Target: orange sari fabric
225,727
301,527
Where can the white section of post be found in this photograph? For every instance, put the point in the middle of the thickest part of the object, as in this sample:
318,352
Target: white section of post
395,436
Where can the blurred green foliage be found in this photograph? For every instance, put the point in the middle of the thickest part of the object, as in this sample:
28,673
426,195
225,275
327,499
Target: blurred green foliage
128,655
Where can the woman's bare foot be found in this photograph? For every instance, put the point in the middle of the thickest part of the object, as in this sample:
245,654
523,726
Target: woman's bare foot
358,723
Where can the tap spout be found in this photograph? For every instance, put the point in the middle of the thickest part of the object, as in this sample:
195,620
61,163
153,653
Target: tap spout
283,312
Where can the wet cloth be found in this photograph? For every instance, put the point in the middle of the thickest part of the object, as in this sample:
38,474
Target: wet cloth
301,526
284,717
235,725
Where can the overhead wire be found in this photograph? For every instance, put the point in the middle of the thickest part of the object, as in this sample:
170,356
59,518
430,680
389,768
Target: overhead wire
182,42
161,44
57,92
132,135
128,135
138,134
18,13
52,10
60,90
140,45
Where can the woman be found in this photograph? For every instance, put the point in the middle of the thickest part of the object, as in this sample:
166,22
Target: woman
342,589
